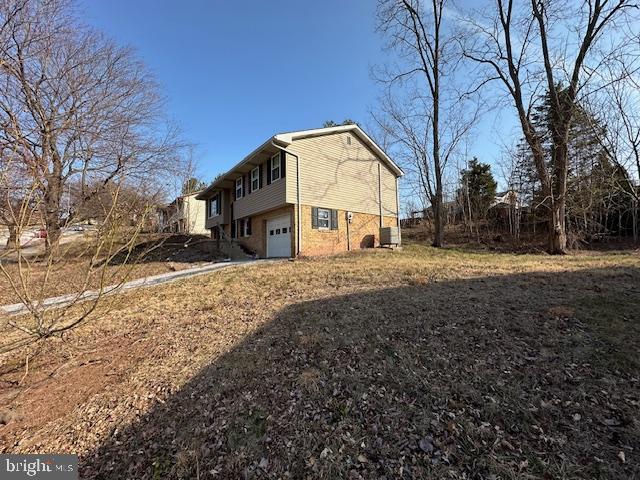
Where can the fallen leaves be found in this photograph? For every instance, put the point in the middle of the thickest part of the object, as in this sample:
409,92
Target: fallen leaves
426,445
349,368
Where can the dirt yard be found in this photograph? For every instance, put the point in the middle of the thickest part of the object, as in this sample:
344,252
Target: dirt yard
412,364
153,255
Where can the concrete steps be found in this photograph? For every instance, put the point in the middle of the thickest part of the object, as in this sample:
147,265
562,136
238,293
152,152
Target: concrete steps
234,251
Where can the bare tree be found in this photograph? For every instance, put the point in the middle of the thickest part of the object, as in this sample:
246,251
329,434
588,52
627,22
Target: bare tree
420,111
15,209
528,48
82,133
619,107
74,105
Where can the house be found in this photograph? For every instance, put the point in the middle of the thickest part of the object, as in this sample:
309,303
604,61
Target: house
184,215
508,198
310,192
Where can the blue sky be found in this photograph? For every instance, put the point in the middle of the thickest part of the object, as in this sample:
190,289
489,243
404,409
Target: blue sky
235,73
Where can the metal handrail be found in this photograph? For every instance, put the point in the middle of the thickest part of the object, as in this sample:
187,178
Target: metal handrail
223,235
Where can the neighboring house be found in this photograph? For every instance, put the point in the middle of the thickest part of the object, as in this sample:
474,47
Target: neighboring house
310,192
506,199
185,214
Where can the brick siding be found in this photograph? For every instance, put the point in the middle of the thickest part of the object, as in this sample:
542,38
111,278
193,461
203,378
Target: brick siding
364,232
257,241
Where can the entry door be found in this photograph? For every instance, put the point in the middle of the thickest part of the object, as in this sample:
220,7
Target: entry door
279,237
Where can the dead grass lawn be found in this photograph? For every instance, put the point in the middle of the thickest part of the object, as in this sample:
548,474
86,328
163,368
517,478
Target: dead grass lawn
413,364
71,271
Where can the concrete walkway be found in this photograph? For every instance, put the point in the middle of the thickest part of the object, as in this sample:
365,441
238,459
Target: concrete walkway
63,300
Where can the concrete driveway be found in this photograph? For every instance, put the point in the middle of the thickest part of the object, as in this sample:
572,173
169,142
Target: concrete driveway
63,300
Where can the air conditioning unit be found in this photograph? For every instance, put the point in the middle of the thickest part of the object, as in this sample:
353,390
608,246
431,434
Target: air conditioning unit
389,236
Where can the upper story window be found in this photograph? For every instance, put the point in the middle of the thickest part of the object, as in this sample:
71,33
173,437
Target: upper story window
239,189
214,206
275,167
255,179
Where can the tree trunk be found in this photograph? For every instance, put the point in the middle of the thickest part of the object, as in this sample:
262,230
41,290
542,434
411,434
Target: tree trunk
558,186
52,199
12,241
557,229
54,232
634,219
438,237
438,234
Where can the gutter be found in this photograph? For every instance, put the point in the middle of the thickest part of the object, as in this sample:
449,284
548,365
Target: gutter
215,185
298,206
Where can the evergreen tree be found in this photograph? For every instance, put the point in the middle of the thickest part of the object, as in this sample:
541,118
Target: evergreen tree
192,185
477,190
593,177
331,123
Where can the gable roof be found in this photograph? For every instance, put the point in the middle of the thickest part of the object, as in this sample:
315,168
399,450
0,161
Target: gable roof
287,138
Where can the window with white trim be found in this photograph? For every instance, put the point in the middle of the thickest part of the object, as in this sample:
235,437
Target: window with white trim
275,167
244,227
324,218
239,188
255,179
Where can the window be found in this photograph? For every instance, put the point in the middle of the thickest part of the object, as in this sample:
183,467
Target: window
255,179
324,217
238,188
244,227
348,139
275,167
213,206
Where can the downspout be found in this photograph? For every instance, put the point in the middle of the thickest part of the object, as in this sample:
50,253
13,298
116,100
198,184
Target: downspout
298,207
398,212
348,234
380,194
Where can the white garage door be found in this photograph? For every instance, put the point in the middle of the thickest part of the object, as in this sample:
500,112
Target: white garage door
279,237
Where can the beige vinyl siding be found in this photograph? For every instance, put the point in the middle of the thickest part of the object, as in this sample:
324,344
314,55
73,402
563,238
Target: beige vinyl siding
195,213
213,221
388,187
266,198
291,178
336,175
